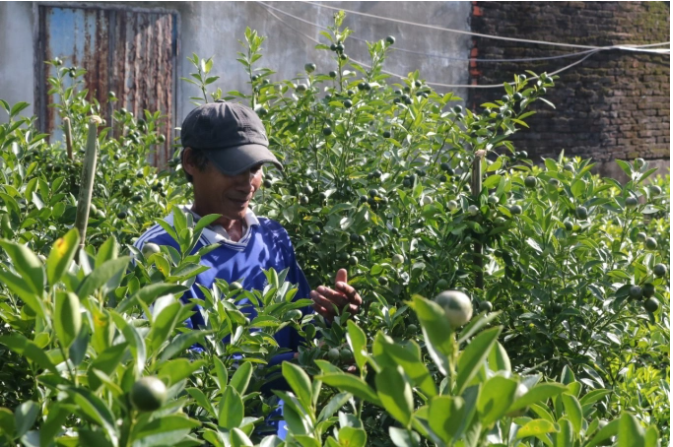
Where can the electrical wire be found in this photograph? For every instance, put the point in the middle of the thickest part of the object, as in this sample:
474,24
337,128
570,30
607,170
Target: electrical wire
469,33
436,84
525,59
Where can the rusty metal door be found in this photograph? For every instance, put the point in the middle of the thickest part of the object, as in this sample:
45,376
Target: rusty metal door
131,52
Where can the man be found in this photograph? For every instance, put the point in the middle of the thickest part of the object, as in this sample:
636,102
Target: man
225,146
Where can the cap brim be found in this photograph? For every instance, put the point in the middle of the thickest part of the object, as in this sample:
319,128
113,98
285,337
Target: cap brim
235,160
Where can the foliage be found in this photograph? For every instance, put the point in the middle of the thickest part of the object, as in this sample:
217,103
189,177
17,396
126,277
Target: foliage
379,178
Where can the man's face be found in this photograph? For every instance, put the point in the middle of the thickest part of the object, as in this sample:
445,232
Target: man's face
217,193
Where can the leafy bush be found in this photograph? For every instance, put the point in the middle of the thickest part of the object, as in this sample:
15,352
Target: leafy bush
567,273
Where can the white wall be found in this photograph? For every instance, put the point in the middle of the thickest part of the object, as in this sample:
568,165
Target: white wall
214,28
17,80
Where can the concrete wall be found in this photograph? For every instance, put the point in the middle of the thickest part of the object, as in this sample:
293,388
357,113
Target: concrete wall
16,55
214,28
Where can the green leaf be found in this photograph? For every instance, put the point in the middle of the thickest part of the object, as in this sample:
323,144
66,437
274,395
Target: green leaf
351,384
652,437
163,325
352,437
26,264
567,375
271,441
149,294
593,396
93,408
101,275
542,412
334,405
327,368
536,427
625,167
491,181
539,393
239,438
573,411
67,317
108,251
495,398
221,373
181,343
166,430
58,414
231,409
630,432
241,378
17,108
298,423
564,437
26,348
404,438
61,255
90,437
473,357
395,394
408,356
437,331
300,383
133,338
604,433
498,360
7,423
25,416
106,362
202,400
24,290
357,340
446,417
179,369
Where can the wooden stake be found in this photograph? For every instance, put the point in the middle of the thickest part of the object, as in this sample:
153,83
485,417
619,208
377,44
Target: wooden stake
88,176
68,136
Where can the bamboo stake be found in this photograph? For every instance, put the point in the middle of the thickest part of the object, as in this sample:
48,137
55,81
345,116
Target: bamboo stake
68,136
88,175
476,187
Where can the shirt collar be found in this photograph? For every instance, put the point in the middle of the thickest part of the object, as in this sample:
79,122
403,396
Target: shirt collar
216,233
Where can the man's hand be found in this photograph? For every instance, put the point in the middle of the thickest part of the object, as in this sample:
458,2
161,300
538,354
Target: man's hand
345,298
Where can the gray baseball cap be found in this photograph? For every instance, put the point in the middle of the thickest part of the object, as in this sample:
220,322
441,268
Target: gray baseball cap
231,135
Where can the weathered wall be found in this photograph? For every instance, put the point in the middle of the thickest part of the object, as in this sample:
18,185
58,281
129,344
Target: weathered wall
16,55
614,105
214,28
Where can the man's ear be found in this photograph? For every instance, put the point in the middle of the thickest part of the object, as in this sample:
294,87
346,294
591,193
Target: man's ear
186,160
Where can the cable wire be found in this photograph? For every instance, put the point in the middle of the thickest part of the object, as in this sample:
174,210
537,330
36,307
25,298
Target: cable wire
469,33
436,84
525,59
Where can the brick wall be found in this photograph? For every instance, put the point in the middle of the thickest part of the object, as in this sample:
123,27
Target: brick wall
614,105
